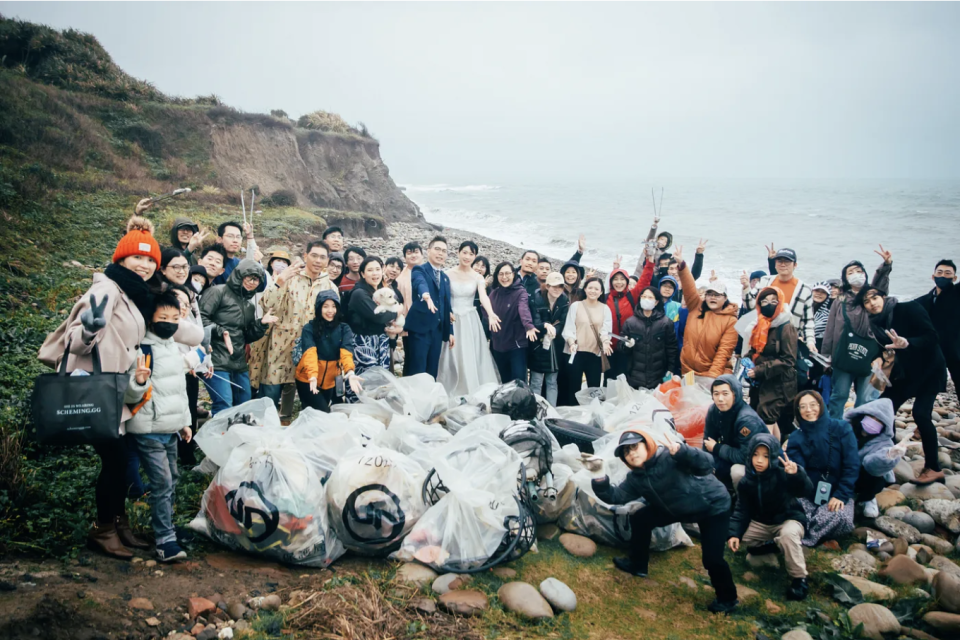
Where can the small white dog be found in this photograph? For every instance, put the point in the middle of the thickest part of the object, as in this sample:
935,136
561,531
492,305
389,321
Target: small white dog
386,300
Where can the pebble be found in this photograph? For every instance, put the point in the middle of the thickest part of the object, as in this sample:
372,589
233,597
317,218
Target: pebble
904,473
750,576
688,583
946,587
890,498
505,573
897,512
424,605
772,607
745,594
152,622
225,634
943,621
465,603
150,563
141,603
945,564
199,606
267,603
877,620
869,588
417,574
850,564
522,598
894,527
863,556
926,492
577,545
922,522
903,570
796,634
560,596
448,582
938,544
236,610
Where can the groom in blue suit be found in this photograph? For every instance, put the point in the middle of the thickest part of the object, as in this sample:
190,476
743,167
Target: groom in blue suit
428,322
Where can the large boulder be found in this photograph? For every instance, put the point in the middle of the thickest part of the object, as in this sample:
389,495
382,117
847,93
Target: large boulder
869,589
522,598
938,544
904,473
896,528
944,622
878,621
946,589
945,564
922,522
897,512
903,570
926,492
946,513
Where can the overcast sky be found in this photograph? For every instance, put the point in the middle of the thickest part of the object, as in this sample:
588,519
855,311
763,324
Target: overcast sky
532,92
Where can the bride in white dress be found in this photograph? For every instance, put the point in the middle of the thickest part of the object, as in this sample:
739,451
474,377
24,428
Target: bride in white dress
468,364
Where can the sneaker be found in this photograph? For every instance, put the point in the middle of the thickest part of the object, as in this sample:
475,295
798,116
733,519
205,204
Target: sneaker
626,566
929,476
170,552
871,509
722,607
798,589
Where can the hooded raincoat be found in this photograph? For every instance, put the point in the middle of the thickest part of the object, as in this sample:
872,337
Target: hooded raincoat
229,307
732,430
873,449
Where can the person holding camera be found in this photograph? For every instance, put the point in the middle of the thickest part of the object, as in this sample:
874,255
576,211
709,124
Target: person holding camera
827,449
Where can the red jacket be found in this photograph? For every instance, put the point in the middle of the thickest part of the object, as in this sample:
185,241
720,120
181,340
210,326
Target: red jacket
623,304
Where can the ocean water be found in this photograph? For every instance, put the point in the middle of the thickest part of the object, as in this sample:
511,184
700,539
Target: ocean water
828,223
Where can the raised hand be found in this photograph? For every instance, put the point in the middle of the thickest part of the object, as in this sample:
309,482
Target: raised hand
93,319
744,280
673,447
582,243
771,251
532,334
227,342
143,205
592,273
196,241
897,342
678,253
248,230
616,262
788,465
886,255
142,372
285,275
268,317
702,246
713,275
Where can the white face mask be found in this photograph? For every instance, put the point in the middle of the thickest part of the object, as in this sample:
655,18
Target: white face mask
857,279
278,267
197,286
648,305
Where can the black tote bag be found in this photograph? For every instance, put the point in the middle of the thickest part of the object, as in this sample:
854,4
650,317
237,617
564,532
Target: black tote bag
72,410
854,354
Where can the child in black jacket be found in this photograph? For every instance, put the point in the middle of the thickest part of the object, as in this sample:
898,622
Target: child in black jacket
678,485
768,509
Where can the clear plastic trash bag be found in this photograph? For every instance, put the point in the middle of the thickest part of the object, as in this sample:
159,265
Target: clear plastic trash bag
417,440
419,396
689,405
217,439
270,500
515,399
554,494
463,530
372,411
535,444
456,418
374,497
486,461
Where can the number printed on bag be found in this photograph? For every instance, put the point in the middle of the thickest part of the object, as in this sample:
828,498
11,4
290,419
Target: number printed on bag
376,461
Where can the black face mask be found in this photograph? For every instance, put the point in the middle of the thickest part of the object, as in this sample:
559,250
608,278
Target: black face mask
943,283
768,310
164,330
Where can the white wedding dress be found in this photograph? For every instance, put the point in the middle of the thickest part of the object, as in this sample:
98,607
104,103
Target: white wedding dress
469,364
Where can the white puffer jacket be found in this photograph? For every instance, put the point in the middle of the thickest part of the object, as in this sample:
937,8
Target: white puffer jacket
167,410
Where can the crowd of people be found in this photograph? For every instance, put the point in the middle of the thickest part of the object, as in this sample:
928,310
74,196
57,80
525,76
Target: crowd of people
267,323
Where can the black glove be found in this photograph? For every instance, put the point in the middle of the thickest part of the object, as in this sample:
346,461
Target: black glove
92,319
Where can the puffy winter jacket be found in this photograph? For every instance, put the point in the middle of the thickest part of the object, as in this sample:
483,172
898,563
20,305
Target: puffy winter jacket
776,370
623,303
547,360
327,347
770,497
873,448
708,342
655,351
167,409
944,312
827,449
681,485
922,363
229,307
732,430
857,315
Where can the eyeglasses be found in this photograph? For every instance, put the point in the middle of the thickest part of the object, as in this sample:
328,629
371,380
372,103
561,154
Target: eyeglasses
180,268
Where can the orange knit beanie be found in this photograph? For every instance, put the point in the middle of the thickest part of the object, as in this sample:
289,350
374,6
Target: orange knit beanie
139,241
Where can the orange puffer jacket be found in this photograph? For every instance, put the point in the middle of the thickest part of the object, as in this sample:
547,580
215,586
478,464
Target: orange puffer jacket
708,342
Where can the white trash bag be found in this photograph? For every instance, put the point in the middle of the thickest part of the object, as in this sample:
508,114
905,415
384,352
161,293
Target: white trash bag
374,499
418,396
414,439
269,500
485,460
456,418
215,437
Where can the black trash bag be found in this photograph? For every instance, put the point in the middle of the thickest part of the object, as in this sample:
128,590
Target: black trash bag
570,432
532,441
516,400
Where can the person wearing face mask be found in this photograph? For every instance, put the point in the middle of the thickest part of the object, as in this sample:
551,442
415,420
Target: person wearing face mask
516,329
670,267
622,302
587,336
229,312
111,317
158,394
729,425
797,296
827,449
709,337
773,351
677,484
546,352
848,327
328,347
198,279
290,298
873,427
919,371
942,304
651,343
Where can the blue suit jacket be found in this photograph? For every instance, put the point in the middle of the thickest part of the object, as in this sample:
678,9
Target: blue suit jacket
419,319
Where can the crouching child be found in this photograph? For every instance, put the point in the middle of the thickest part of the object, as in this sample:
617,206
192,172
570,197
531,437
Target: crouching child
768,509
677,483
158,393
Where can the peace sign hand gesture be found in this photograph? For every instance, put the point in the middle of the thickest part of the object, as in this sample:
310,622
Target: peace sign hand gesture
678,253
196,240
702,246
582,243
897,342
616,262
93,319
673,447
771,251
788,465
886,255
142,372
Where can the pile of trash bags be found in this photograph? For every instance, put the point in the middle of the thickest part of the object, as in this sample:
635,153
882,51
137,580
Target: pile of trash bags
457,484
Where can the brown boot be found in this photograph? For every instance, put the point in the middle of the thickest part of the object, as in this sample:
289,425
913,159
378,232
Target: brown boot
127,536
929,476
103,537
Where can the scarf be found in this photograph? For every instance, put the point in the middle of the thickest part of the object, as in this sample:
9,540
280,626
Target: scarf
135,288
758,339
